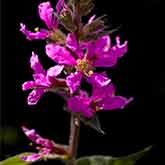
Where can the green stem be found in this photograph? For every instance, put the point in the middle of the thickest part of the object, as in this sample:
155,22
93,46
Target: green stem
74,137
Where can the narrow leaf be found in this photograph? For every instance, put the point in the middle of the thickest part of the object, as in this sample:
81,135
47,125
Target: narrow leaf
108,160
94,123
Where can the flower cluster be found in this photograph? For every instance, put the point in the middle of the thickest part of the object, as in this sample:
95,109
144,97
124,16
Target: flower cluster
77,50
45,146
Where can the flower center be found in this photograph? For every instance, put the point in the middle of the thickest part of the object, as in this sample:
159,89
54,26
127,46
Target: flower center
84,66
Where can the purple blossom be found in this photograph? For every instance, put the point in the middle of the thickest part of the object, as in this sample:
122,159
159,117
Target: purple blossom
42,80
45,146
81,62
106,56
45,11
47,15
42,34
36,138
102,98
101,54
98,53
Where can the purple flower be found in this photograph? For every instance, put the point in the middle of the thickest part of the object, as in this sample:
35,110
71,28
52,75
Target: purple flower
37,139
74,56
45,146
102,98
42,80
47,15
101,54
42,34
45,11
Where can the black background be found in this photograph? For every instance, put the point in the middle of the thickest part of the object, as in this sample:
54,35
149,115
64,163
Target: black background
140,73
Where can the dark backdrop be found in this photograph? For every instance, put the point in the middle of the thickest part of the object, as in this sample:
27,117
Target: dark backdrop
140,73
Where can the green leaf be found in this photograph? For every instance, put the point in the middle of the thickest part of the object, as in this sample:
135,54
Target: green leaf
94,123
108,160
15,160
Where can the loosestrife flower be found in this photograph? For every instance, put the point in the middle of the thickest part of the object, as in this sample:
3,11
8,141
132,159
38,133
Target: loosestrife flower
44,146
78,49
46,13
98,54
43,81
102,98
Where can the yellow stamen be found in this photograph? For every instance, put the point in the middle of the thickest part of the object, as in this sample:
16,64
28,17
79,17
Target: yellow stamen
36,29
90,72
84,66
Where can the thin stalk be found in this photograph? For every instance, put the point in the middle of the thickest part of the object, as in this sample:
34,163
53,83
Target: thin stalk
74,137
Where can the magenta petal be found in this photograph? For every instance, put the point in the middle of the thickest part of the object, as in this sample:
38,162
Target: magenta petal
98,80
55,71
109,59
97,49
42,34
31,158
103,92
35,64
59,6
73,81
28,85
103,44
71,42
76,105
45,143
59,54
106,60
119,49
40,80
30,133
34,96
91,51
112,103
45,11
36,138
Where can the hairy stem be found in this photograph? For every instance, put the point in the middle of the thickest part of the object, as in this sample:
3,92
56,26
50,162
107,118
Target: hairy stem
74,137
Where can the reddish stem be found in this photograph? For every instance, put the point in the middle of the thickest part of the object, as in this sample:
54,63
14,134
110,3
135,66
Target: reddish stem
74,137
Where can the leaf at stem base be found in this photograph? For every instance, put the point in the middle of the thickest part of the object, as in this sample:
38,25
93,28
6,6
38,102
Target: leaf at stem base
108,160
